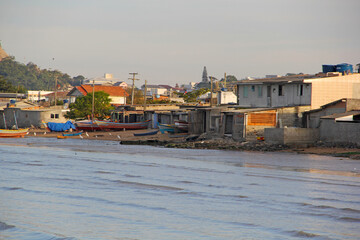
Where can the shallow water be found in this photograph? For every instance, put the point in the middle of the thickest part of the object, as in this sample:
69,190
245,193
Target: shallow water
81,189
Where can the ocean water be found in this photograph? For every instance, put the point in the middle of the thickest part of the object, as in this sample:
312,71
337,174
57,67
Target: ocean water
81,189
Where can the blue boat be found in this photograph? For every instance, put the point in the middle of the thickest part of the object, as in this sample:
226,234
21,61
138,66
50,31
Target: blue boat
146,133
72,134
166,128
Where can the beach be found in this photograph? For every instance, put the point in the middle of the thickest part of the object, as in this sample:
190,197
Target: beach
182,141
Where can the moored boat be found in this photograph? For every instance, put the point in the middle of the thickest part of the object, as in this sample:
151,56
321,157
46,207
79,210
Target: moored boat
70,134
182,125
17,133
146,133
166,128
87,125
107,125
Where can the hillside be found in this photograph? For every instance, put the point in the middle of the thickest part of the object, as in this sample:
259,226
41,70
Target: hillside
31,77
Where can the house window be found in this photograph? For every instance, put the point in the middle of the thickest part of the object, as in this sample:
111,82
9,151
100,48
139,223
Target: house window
301,90
246,93
281,90
260,91
253,88
54,115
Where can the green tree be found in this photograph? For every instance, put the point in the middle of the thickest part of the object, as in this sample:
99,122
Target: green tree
5,86
191,96
82,108
138,96
30,76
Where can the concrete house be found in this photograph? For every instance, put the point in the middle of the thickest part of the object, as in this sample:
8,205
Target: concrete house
117,94
298,90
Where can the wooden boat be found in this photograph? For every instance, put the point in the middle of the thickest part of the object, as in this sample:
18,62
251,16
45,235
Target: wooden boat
166,128
87,125
70,134
182,125
8,133
61,137
146,133
107,125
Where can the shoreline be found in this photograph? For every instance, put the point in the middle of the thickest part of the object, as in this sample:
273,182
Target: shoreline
180,141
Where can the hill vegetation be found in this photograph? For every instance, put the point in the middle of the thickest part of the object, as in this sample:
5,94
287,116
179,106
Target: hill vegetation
31,77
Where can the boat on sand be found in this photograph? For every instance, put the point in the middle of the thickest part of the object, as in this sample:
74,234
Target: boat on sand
17,133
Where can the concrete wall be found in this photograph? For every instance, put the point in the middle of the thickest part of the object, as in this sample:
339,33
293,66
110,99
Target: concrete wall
291,135
292,116
339,132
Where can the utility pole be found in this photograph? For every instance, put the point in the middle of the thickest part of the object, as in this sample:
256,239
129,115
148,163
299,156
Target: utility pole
55,89
93,101
211,91
145,91
133,86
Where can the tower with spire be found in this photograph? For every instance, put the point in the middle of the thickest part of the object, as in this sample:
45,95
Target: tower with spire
205,76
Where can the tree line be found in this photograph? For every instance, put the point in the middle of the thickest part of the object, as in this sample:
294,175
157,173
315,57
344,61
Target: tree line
15,76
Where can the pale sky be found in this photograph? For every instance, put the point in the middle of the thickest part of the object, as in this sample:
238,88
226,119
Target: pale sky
170,41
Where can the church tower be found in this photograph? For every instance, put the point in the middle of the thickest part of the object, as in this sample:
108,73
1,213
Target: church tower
205,76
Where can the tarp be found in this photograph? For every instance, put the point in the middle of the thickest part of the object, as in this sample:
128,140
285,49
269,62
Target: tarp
60,127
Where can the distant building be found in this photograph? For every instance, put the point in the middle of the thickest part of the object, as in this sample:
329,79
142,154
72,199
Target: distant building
36,96
107,80
205,76
298,90
152,90
116,94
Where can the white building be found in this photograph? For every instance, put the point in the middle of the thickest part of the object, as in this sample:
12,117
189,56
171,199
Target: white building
107,80
36,96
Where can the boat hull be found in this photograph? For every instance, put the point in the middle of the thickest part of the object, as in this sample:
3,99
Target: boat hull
166,128
146,133
72,134
19,133
97,125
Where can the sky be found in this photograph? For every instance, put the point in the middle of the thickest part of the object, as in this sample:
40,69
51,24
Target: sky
170,41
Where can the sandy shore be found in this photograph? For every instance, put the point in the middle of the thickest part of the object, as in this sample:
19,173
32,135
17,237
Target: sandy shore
127,137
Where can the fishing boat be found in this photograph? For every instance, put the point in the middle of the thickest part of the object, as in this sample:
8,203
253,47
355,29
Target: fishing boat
87,125
108,125
18,133
61,137
71,134
146,133
182,125
166,128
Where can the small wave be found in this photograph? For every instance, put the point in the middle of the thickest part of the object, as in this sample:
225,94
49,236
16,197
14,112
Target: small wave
34,164
131,176
303,234
4,226
13,188
349,219
149,186
104,172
